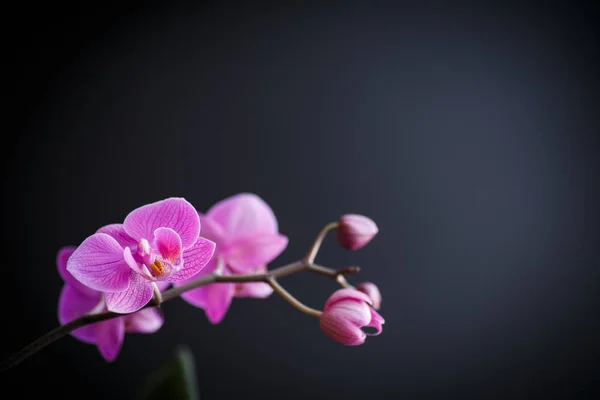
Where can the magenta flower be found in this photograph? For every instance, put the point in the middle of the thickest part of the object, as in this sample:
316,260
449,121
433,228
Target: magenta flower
345,313
246,233
156,242
371,290
77,300
356,231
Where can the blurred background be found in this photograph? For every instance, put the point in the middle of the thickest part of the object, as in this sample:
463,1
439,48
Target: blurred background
468,133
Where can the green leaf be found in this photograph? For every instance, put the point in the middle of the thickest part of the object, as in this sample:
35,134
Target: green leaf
174,380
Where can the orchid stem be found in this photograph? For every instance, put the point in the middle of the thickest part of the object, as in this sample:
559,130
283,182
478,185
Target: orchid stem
337,275
314,249
291,299
269,277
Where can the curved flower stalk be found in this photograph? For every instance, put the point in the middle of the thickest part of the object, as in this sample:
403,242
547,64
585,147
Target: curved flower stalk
116,277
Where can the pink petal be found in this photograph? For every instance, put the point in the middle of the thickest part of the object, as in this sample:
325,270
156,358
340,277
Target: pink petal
243,215
168,243
341,330
61,262
245,254
358,313
72,304
99,264
215,298
117,231
174,213
148,320
137,295
211,230
376,322
139,268
194,259
258,290
162,285
109,339
346,294
371,290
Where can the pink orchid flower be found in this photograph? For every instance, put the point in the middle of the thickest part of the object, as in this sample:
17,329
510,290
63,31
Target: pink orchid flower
156,242
77,300
246,233
345,313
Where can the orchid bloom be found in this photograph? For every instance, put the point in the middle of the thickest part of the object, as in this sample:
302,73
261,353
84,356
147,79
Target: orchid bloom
77,300
246,233
345,313
156,242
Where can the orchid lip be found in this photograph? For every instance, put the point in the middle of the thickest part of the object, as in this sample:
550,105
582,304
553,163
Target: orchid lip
153,266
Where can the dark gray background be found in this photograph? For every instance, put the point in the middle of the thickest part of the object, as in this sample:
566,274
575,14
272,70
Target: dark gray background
467,133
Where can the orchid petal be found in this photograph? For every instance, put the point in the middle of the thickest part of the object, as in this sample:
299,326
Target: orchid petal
162,285
110,335
215,298
61,262
72,304
249,253
117,231
243,215
137,295
259,290
358,313
371,290
99,264
346,294
175,213
168,243
211,230
376,322
194,259
134,265
147,320
341,330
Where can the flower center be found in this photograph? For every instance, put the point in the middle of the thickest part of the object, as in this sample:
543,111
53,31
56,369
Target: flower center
157,269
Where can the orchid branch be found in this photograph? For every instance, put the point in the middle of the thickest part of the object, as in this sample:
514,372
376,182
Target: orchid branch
269,277
354,231
314,249
291,299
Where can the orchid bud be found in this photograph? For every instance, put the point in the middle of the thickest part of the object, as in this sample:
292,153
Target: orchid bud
355,231
371,290
345,313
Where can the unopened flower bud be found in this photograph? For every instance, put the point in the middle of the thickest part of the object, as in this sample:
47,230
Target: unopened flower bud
355,231
345,313
371,290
